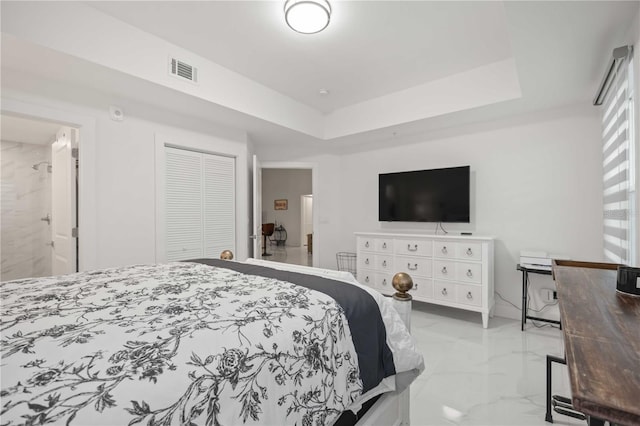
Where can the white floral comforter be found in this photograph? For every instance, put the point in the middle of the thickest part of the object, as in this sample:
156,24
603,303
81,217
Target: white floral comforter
179,343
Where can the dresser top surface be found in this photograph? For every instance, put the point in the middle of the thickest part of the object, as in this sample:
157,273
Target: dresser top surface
449,236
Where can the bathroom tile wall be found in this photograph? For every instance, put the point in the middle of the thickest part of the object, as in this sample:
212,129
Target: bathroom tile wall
25,196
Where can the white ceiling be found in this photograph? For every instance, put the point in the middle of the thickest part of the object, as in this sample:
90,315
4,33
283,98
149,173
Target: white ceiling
27,130
370,49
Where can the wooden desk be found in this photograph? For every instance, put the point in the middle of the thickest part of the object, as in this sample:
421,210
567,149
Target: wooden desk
602,344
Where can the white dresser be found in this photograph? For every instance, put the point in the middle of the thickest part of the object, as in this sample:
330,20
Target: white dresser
454,271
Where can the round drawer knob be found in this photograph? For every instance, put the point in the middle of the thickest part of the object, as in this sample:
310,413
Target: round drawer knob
366,261
469,252
444,270
469,273
384,263
444,292
469,296
366,280
444,249
366,244
384,245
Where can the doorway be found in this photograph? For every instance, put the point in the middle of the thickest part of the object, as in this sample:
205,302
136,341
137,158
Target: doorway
306,221
284,189
39,198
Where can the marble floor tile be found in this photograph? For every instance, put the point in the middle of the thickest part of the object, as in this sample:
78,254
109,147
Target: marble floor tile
291,255
477,376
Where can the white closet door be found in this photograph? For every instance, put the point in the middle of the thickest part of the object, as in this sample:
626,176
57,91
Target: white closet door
219,204
184,211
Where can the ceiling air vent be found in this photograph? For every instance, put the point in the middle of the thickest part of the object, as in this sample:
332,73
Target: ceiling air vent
183,70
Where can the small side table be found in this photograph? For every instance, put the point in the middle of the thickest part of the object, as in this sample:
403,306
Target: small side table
525,295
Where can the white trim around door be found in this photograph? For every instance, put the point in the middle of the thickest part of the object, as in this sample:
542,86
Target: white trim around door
317,238
87,207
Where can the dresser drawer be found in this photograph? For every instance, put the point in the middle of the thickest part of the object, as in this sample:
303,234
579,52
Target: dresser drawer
384,245
469,294
413,266
444,269
366,244
413,247
367,261
444,291
383,283
446,249
422,287
383,263
471,251
375,261
469,272
367,277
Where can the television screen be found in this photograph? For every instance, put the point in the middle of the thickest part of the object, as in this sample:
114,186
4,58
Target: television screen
436,195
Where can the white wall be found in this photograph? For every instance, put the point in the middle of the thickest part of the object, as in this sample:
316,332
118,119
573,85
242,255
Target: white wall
124,186
535,185
288,184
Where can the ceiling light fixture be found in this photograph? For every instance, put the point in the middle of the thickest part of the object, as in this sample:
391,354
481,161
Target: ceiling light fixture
307,16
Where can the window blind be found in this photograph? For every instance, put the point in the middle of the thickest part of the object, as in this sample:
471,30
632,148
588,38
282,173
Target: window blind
618,167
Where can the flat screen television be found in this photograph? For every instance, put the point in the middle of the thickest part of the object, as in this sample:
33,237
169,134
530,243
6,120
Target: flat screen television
436,195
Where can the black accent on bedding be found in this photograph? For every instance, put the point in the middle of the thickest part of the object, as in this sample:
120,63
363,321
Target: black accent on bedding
368,332
348,418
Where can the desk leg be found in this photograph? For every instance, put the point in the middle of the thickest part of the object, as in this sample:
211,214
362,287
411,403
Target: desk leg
592,421
524,300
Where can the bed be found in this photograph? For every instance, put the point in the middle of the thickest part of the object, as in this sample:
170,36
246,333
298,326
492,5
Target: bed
206,342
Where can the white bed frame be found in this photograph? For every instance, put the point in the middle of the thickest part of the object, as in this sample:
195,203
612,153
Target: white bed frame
392,408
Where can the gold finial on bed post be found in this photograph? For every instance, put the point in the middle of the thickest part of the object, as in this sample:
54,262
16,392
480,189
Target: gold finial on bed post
226,255
402,282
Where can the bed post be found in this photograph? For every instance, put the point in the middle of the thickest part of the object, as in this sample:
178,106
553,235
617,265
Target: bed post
226,255
401,301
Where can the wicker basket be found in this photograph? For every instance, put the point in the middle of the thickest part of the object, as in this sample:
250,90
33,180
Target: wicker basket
346,262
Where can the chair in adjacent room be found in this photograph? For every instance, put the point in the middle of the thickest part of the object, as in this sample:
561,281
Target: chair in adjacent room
267,231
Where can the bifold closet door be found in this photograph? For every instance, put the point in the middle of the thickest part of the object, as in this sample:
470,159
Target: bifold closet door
200,204
219,202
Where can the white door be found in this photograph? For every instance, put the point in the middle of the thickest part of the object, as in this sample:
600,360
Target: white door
218,203
256,235
199,204
306,225
63,202
183,204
